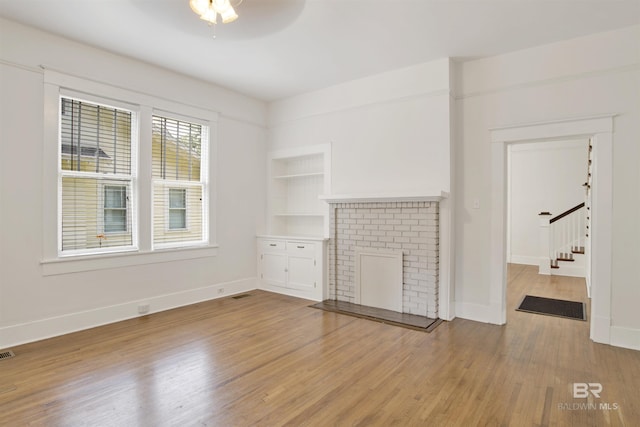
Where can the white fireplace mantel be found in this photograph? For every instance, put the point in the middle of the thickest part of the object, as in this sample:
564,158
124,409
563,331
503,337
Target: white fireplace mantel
429,196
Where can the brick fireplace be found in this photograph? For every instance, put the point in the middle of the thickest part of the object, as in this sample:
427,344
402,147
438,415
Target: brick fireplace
407,226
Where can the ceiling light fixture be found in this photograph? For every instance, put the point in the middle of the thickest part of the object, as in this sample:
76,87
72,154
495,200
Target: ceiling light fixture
208,10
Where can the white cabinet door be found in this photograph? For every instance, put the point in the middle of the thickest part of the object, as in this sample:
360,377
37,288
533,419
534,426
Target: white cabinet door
302,273
274,269
292,267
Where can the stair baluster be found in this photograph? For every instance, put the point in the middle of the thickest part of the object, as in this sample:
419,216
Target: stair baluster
561,236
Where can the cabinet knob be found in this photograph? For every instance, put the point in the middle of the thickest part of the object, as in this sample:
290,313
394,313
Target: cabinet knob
286,270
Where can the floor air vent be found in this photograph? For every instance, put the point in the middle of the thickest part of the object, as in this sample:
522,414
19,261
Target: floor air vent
241,296
6,355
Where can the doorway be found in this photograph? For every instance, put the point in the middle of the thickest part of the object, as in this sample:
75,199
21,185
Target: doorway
547,177
599,129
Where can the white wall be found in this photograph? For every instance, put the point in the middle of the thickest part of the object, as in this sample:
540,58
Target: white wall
593,75
33,305
546,176
389,132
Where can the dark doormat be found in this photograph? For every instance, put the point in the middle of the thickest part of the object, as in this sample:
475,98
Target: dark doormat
553,307
405,320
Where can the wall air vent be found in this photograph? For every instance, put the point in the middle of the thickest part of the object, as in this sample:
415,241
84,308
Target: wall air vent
6,354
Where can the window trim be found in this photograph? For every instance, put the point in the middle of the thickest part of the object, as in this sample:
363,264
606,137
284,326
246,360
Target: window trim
57,84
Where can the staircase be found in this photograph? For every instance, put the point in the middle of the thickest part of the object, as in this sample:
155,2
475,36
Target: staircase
573,265
576,251
564,238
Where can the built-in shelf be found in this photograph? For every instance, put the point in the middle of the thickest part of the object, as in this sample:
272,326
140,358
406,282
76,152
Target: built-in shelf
298,214
299,175
296,178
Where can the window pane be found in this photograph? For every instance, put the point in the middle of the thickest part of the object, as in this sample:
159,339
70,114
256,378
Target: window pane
96,141
177,161
177,219
115,220
94,138
172,226
177,149
115,213
115,196
177,198
85,220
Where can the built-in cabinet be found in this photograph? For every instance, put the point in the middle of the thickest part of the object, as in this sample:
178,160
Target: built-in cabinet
291,255
293,267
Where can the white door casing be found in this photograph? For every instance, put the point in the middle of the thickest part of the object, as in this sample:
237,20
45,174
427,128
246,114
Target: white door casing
600,130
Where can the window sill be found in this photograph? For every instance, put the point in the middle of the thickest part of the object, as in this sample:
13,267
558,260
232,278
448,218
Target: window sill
78,264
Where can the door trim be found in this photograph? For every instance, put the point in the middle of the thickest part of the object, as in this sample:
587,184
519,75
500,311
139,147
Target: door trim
600,130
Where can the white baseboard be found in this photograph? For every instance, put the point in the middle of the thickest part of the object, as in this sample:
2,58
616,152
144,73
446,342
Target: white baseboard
600,329
566,270
524,259
448,315
290,292
478,312
46,328
625,337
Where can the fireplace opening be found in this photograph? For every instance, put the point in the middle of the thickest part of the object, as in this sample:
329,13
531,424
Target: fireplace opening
378,278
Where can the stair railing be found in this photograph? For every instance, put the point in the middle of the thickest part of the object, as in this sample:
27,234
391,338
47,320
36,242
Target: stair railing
561,236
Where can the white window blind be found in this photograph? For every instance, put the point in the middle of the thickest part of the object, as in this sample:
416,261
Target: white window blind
179,182
95,177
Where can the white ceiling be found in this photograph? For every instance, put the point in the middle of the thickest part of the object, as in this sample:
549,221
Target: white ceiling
279,48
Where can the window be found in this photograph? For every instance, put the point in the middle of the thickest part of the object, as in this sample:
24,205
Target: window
177,208
95,177
115,208
179,182
125,176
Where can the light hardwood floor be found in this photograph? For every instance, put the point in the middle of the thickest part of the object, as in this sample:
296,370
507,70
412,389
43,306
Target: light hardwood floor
271,360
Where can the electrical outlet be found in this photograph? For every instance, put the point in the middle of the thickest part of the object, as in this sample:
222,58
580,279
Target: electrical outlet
143,308
220,291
